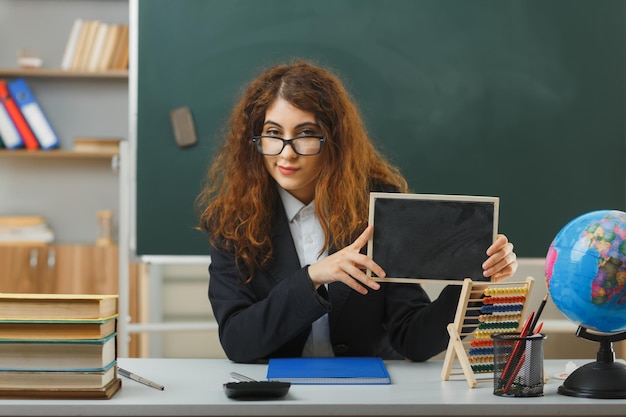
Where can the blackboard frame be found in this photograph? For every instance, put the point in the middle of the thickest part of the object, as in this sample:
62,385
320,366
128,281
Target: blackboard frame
454,233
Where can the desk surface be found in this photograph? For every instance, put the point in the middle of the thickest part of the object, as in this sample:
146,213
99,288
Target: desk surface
193,387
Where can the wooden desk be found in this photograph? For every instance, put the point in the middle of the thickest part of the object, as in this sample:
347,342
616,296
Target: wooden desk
193,387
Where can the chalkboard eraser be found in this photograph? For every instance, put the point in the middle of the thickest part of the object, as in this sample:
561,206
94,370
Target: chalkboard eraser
184,129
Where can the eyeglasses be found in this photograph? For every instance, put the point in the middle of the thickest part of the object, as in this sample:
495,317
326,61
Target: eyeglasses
302,145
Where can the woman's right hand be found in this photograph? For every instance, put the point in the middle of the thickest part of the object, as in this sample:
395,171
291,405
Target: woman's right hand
348,266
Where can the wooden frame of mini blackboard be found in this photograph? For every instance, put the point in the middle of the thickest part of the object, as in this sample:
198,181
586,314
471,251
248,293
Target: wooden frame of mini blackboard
429,237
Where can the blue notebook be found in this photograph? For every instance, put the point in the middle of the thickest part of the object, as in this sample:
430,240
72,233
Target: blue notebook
337,370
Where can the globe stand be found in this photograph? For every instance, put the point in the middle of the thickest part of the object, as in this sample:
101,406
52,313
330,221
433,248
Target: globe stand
603,378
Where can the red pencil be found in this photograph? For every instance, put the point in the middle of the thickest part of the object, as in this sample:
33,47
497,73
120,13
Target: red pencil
514,357
515,372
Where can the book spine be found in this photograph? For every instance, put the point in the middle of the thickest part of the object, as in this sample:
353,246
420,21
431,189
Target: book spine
70,47
109,47
120,58
33,114
98,47
90,37
18,119
80,45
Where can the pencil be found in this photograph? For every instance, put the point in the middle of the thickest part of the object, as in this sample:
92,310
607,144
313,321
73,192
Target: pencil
139,379
538,313
518,367
517,357
517,351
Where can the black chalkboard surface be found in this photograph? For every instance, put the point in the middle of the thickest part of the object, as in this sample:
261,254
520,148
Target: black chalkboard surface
432,237
520,99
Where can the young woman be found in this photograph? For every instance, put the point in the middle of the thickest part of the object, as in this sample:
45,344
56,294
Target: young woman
286,208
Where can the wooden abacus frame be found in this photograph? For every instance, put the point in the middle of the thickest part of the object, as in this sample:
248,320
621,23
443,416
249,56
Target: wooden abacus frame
464,328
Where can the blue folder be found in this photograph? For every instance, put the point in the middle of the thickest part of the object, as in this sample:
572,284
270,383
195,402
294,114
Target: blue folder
34,114
334,370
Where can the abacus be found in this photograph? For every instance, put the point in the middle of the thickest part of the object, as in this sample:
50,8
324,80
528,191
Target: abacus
484,308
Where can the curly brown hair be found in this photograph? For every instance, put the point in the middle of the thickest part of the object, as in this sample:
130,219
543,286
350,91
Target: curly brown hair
239,196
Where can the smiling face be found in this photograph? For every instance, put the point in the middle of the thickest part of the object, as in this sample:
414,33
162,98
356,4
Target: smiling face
295,173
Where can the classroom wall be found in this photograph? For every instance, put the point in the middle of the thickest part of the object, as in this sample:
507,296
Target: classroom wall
183,295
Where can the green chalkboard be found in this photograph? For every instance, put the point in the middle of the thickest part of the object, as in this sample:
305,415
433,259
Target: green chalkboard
519,99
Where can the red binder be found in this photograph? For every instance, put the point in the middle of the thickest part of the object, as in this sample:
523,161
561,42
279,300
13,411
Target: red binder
30,141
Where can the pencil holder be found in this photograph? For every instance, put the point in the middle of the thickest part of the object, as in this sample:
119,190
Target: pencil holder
518,365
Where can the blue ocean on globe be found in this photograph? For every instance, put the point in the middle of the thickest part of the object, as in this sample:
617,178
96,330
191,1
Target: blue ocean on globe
586,270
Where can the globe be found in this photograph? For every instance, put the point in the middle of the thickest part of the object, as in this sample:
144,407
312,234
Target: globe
586,271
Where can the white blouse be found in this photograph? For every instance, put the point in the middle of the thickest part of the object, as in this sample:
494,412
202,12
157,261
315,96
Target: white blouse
308,237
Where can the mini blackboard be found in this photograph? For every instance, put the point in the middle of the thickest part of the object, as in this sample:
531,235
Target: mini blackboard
432,237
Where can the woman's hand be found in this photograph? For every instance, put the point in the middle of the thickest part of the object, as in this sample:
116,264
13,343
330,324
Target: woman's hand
347,266
502,261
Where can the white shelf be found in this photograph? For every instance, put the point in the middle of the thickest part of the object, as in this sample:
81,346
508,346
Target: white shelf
59,73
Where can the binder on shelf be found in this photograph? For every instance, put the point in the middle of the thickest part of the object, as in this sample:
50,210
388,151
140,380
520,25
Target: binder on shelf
10,135
34,114
28,137
72,43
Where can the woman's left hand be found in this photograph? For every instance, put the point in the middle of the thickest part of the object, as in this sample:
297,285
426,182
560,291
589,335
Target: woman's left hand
502,261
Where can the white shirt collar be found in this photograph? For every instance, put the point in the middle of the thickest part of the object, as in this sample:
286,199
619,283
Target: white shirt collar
292,205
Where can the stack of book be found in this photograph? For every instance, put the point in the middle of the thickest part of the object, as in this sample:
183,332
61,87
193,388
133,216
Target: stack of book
23,123
97,144
58,346
25,230
95,46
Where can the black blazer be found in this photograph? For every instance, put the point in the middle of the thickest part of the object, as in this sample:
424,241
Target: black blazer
272,315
